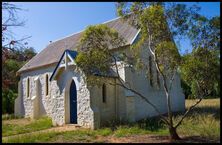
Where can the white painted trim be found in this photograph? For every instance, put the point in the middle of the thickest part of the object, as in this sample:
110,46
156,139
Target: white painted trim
66,62
67,99
76,82
36,78
111,20
62,65
33,97
67,36
134,38
71,63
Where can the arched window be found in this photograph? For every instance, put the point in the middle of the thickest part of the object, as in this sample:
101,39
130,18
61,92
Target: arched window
28,87
104,93
46,85
150,70
158,79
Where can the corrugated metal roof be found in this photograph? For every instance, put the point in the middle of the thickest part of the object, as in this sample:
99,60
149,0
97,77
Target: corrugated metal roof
52,53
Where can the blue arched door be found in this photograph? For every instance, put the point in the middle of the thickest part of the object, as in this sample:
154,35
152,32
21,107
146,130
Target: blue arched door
73,103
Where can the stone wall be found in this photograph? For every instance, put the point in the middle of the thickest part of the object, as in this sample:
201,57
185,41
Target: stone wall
53,104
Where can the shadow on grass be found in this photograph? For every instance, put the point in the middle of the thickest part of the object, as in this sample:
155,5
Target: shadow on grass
207,110
203,110
196,139
151,124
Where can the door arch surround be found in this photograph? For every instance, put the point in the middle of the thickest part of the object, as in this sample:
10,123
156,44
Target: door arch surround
69,89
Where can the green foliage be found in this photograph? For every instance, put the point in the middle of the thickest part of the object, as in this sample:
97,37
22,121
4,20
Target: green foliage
94,61
8,97
200,68
12,61
186,89
155,35
100,37
94,56
13,129
168,57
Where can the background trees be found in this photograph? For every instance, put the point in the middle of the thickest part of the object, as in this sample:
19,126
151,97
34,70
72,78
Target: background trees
15,53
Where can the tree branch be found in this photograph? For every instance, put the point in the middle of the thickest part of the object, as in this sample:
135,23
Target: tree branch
134,91
191,107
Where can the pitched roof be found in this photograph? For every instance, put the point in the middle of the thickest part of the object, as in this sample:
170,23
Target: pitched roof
52,53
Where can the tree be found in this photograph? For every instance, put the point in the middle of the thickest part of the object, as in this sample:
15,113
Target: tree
14,54
201,66
160,24
9,21
205,37
15,60
95,57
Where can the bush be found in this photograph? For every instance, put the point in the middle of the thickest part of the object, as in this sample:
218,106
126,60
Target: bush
8,100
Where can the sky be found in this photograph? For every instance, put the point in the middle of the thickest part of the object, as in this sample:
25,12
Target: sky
51,21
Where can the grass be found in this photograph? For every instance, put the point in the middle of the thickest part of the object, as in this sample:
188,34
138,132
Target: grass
81,135
203,121
123,131
13,129
34,138
10,116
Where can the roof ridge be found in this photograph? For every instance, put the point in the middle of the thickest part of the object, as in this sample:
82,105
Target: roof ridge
83,30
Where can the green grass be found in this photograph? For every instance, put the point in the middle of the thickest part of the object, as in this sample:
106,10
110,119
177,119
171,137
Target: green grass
13,129
123,131
203,121
81,135
103,132
31,138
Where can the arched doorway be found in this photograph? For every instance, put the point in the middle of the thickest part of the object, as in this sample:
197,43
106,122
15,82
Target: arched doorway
73,103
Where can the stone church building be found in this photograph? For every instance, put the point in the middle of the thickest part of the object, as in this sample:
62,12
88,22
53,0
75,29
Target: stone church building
52,85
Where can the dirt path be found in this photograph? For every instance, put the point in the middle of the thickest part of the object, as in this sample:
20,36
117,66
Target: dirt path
22,121
134,139
153,139
64,128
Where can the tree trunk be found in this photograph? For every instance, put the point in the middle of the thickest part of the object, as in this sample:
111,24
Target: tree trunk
173,134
